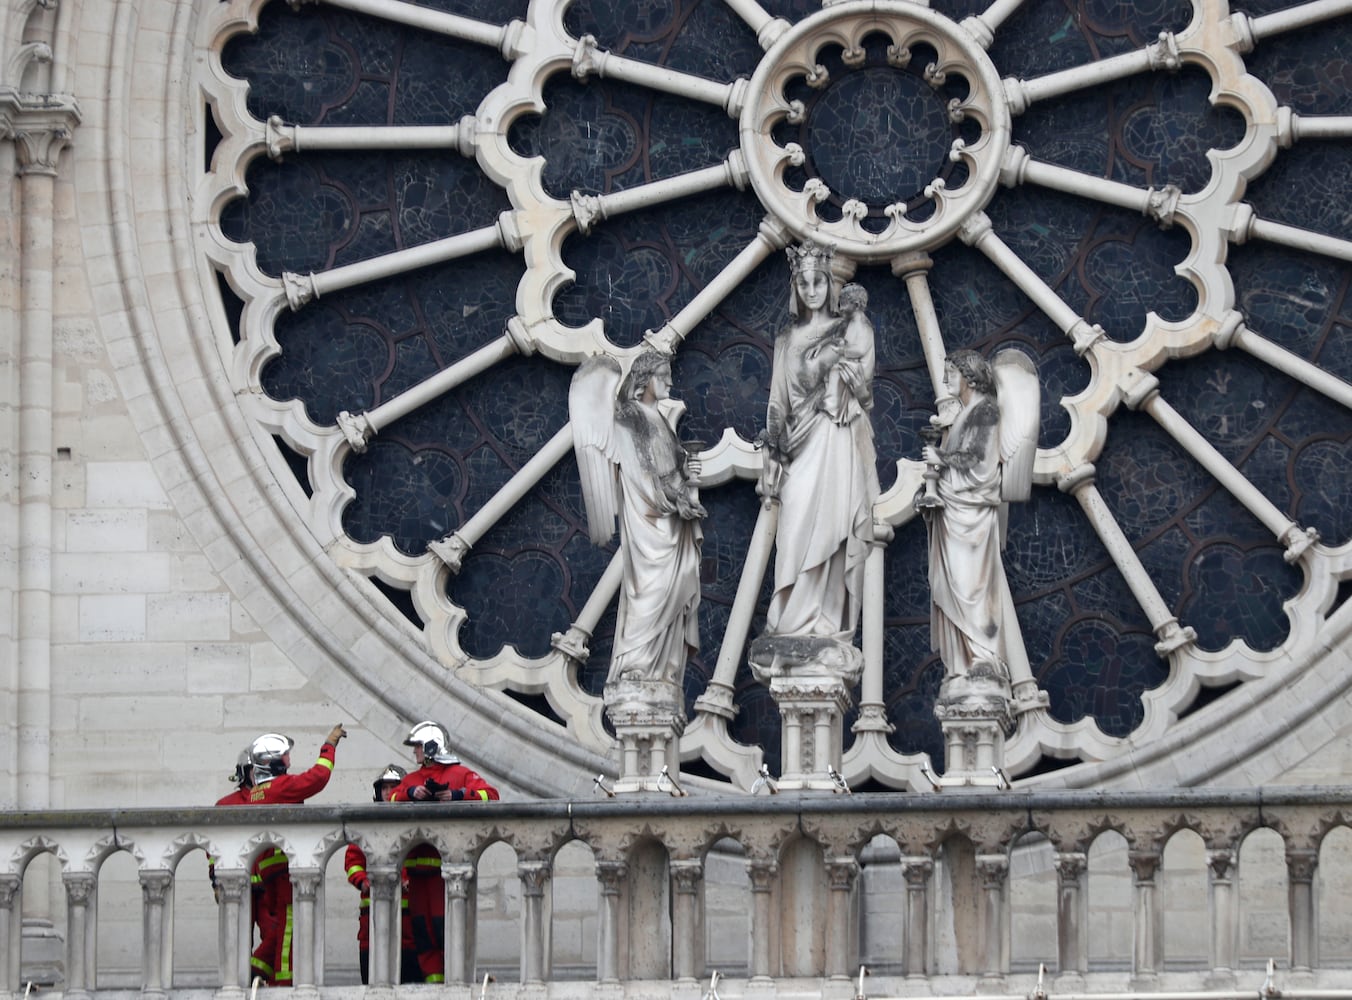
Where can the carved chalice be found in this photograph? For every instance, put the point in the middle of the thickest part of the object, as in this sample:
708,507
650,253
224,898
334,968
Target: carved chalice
928,498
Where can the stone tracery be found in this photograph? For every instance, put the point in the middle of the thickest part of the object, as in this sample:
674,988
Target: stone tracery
538,227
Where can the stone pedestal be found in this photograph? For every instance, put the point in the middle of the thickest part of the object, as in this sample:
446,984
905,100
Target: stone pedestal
649,717
811,679
975,712
44,951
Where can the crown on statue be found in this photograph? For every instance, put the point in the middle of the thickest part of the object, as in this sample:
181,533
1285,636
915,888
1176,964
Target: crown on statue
810,257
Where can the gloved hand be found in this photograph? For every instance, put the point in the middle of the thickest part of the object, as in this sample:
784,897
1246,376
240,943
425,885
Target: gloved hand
336,734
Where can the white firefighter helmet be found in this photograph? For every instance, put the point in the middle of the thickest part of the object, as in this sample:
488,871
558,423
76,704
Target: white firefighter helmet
434,740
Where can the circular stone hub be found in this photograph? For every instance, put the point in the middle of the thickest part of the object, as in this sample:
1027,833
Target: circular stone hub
878,127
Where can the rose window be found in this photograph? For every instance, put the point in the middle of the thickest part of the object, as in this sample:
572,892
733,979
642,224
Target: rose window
425,215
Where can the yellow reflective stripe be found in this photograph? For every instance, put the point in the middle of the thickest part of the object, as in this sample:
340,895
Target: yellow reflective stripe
261,966
422,862
277,858
255,879
325,763
284,973
483,796
365,903
435,977
354,869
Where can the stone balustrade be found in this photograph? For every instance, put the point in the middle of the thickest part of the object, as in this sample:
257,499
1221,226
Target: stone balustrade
822,884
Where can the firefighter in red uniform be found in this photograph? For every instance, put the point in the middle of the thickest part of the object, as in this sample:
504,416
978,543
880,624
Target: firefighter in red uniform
271,758
440,777
243,777
354,863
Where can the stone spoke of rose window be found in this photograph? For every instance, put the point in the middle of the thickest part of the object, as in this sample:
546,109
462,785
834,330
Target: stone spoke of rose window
771,236
589,59
1163,54
1079,483
977,232
302,289
983,26
914,270
1320,127
1246,225
1140,391
282,138
589,209
1235,333
503,37
1156,203
453,548
1249,30
573,643
360,427
767,27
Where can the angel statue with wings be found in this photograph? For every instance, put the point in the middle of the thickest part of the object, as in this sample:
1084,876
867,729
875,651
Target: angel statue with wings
985,461
632,465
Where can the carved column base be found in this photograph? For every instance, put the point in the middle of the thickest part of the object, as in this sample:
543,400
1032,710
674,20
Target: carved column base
649,717
1069,982
44,953
1222,979
810,678
975,714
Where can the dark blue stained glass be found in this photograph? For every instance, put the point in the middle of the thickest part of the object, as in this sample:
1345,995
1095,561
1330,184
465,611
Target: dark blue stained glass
1167,126
1146,476
1238,592
306,67
911,680
356,206
360,347
1101,672
519,404
1159,129
1259,419
727,390
1210,558
1046,230
590,135
1324,488
330,360
911,671
512,597
1308,186
293,217
1045,36
903,402
1067,132
1299,301
877,134
635,272
411,495
1041,38
1049,541
1309,70
685,135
